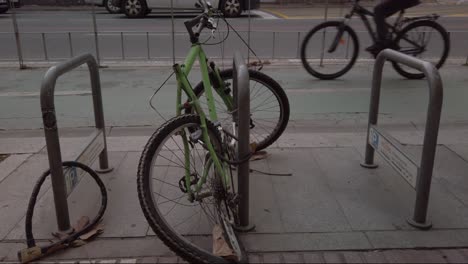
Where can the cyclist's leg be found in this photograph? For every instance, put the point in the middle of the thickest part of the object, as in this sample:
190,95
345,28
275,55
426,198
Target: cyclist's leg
381,11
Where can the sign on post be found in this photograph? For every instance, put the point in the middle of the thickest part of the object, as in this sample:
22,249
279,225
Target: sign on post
389,150
88,156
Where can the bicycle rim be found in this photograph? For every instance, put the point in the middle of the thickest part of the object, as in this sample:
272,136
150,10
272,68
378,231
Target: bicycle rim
425,40
319,60
185,225
269,107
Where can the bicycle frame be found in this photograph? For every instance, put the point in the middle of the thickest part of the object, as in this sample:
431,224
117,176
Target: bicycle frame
196,52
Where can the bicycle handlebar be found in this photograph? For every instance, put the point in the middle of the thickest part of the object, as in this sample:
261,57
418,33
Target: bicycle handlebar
200,22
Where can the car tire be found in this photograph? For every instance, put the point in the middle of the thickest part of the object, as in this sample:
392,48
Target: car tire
3,10
231,8
111,8
135,8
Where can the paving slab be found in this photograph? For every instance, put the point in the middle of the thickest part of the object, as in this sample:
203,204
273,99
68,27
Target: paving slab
44,220
413,256
21,145
460,149
418,239
365,200
11,163
264,211
449,169
310,140
16,189
305,242
128,143
300,196
124,215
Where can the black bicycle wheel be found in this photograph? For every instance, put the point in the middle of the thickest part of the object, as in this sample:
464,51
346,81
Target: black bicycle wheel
185,223
319,60
269,107
426,40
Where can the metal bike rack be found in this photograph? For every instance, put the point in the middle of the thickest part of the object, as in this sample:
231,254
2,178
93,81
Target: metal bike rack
241,91
63,183
419,177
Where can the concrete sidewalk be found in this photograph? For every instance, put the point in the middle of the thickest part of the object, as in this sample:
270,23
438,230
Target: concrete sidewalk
329,203
330,210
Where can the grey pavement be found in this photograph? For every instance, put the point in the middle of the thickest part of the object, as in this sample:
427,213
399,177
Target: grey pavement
329,210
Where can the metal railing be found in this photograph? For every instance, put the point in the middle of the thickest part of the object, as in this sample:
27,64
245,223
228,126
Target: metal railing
241,91
62,184
146,45
419,177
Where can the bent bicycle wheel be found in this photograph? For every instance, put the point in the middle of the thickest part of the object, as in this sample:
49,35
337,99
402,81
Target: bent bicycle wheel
318,58
426,40
269,107
187,224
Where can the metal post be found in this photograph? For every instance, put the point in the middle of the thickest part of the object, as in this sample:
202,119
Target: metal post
298,55
274,44
51,130
241,91
96,38
70,43
248,36
44,46
324,35
173,32
122,45
17,37
222,51
424,178
148,46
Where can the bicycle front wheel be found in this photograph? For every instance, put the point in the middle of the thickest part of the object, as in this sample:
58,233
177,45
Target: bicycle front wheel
269,107
186,221
322,60
426,40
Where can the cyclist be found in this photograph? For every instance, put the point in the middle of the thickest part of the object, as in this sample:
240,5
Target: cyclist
383,10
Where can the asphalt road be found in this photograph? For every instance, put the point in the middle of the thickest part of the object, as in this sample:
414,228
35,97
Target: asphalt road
270,36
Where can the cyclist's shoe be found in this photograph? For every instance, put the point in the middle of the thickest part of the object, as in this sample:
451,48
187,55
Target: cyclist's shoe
377,47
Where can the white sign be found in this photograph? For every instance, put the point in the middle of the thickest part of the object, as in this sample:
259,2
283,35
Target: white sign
394,156
87,157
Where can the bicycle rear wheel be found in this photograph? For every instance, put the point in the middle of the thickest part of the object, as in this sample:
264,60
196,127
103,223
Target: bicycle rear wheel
186,223
319,60
426,40
269,107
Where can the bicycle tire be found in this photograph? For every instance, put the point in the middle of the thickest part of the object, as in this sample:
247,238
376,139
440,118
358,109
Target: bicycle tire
275,89
306,42
424,23
156,220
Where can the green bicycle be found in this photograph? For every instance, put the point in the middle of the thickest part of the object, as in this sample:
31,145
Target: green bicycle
185,182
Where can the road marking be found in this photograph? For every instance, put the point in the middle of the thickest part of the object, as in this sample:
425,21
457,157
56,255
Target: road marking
277,13
36,94
263,14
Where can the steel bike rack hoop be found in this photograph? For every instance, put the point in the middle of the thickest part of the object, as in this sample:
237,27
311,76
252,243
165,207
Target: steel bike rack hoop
419,177
63,183
241,91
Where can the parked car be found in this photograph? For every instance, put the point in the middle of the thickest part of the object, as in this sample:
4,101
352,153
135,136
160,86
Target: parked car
140,8
108,4
5,5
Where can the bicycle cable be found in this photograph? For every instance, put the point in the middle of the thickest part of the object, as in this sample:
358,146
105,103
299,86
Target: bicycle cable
154,94
34,252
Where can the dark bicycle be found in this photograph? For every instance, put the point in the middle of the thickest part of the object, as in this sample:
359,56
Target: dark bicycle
331,48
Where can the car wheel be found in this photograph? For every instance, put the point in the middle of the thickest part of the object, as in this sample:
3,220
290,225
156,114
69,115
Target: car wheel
135,8
3,10
111,8
232,8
